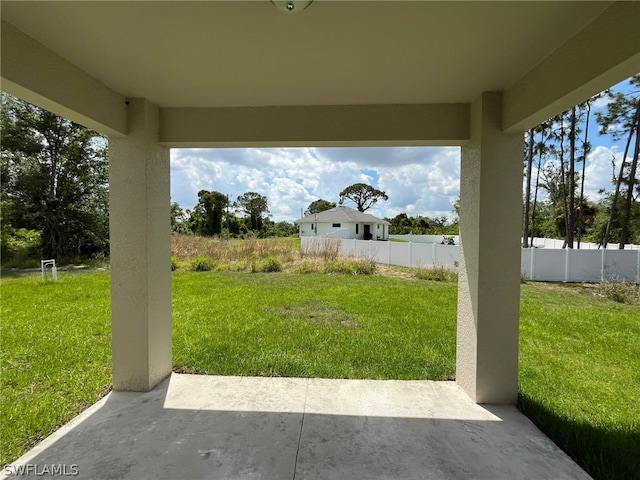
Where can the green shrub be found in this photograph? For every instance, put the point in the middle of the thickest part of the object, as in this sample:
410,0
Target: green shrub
21,247
267,265
174,264
201,263
271,264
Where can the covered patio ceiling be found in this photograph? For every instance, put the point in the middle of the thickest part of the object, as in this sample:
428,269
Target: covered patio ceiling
217,54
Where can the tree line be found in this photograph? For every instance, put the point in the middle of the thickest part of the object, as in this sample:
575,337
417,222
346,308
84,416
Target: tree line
216,215
54,175
54,178
555,165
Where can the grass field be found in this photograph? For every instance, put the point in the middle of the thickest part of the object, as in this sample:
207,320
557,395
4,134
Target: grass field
580,375
329,326
55,354
580,353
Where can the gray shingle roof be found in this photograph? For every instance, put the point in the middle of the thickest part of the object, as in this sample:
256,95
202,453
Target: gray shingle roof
341,214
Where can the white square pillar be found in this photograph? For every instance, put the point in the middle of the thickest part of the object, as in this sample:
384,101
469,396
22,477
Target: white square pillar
489,279
140,237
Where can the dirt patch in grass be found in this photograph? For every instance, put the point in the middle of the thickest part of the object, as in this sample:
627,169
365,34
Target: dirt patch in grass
392,271
322,313
189,370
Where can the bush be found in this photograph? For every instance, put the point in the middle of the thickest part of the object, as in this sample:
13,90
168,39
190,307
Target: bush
619,291
267,265
271,264
174,264
201,263
21,247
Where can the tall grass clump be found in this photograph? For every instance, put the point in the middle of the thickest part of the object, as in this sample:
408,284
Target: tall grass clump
619,291
436,273
325,248
201,263
235,254
350,266
323,257
268,265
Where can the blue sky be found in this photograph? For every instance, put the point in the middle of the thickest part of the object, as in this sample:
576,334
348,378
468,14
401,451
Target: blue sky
418,180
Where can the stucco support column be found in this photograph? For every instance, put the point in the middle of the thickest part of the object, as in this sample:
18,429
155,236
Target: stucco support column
140,233
489,279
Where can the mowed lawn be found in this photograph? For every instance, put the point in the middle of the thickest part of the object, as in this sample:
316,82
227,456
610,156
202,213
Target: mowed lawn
580,353
330,326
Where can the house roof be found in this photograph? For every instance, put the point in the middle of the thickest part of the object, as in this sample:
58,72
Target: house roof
341,214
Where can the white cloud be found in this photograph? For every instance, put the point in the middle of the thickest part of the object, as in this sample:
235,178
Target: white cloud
601,163
599,171
418,181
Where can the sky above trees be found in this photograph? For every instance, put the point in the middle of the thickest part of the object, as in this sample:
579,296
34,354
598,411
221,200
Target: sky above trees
420,181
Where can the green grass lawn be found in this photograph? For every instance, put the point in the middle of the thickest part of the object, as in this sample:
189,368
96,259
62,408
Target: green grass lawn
580,375
329,326
55,354
580,354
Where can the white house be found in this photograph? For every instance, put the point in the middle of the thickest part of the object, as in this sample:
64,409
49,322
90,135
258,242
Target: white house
343,222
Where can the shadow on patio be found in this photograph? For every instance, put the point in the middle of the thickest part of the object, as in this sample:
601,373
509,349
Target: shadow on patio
197,427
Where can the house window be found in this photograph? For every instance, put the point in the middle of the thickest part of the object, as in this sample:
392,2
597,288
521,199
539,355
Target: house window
312,226
336,225
378,227
356,228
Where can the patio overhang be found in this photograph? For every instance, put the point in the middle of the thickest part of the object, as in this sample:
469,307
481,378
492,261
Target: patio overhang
157,75
316,125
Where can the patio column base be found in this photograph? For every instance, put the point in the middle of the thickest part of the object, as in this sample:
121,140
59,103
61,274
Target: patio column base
489,273
140,236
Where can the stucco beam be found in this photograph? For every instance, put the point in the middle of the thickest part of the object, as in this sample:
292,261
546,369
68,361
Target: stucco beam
295,126
604,53
38,75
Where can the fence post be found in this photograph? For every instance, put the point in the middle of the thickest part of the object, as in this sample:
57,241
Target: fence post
532,263
602,265
567,264
410,255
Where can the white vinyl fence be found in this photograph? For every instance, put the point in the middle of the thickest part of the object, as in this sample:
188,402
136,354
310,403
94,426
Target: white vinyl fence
538,242
570,265
541,264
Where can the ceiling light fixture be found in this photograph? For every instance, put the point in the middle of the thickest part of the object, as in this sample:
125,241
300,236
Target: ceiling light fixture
292,6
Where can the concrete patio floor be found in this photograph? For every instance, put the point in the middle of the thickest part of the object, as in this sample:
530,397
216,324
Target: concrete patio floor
209,427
